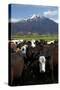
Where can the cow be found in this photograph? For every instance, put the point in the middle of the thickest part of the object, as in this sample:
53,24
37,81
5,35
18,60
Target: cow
16,62
34,60
17,66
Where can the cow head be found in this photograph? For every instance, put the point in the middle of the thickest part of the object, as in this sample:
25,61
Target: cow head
42,63
23,49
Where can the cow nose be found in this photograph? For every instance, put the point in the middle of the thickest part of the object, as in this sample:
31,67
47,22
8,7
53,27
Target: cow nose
42,71
23,49
42,67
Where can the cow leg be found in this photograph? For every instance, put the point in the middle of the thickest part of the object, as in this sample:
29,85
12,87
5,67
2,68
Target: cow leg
56,73
12,77
52,72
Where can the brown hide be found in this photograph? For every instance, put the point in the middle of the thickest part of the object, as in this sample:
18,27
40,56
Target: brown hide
17,65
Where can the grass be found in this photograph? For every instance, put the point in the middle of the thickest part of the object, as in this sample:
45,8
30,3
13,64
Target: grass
47,37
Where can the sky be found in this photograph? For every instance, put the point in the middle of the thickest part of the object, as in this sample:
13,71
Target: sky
20,11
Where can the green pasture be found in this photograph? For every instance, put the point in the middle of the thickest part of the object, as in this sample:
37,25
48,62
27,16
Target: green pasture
47,37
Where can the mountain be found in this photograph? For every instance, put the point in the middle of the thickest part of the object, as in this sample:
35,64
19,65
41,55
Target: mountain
35,24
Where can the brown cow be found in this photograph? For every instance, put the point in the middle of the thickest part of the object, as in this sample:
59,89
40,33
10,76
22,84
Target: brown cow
51,54
17,66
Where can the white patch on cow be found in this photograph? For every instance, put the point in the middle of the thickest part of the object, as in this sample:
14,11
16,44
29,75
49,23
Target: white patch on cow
33,43
42,61
21,40
23,49
14,41
18,42
50,42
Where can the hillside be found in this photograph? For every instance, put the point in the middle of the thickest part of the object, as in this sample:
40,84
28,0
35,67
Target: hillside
37,24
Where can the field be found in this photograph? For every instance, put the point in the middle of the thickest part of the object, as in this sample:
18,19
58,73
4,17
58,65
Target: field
47,37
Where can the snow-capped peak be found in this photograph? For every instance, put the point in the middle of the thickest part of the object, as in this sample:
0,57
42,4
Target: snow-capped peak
34,16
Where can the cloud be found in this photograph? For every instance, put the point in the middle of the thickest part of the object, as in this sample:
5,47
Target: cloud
14,20
50,13
55,20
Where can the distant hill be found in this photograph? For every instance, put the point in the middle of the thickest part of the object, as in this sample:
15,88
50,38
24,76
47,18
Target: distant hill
35,24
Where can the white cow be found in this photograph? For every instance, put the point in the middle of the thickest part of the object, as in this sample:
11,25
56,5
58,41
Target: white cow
42,63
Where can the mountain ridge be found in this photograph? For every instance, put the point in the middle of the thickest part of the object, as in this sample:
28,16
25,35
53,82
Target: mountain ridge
36,24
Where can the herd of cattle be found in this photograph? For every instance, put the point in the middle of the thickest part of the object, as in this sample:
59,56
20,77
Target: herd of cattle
32,62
